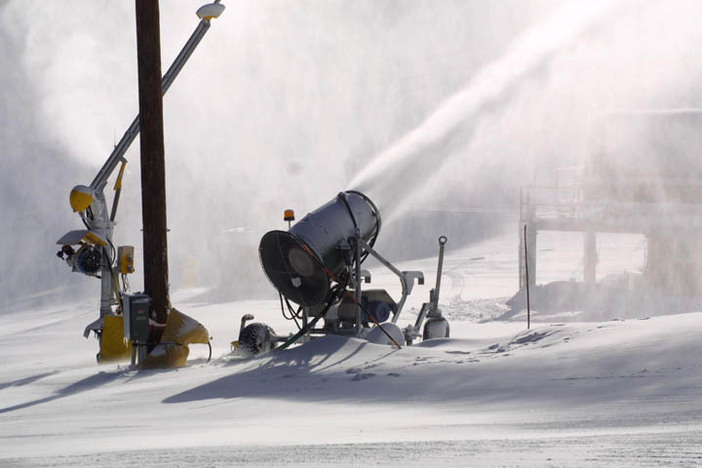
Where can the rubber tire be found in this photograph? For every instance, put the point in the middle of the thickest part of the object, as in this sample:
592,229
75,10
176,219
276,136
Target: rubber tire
436,328
255,339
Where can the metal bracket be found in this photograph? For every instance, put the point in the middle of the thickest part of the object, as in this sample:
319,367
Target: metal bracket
410,276
406,277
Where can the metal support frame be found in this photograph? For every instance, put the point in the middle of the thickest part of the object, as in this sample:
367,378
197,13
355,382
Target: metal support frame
407,278
357,282
359,247
429,309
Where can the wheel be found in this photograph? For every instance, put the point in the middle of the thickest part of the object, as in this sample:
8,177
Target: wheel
436,328
256,338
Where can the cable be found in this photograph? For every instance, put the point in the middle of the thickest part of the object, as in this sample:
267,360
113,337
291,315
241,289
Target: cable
82,218
280,296
373,319
115,282
293,314
114,252
125,282
365,254
310,324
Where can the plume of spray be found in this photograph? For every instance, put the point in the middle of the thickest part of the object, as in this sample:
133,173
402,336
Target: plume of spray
32,191
270,115
398,172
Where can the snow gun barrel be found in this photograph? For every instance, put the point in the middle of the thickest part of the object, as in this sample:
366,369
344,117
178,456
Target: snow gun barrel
302,262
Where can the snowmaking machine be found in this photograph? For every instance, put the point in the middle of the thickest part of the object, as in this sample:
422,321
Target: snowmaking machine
317,264
124,318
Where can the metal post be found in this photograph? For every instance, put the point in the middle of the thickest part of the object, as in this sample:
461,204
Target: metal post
359,280
530,251
153,173
590,257
305,319
437,289
526,273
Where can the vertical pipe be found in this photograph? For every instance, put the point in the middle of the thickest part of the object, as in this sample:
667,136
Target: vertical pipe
589,257
153,173
439,270
530,246
526,273
521,254
520,251
359,280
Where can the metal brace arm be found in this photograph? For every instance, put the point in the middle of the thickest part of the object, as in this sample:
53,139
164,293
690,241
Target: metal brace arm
117,155
406,277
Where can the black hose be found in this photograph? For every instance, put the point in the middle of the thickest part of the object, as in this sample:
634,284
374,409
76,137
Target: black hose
337,291
292,314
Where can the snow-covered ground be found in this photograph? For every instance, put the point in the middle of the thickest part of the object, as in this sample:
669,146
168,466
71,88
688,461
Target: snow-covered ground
607,393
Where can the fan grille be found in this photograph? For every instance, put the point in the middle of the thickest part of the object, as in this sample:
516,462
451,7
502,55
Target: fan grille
293,268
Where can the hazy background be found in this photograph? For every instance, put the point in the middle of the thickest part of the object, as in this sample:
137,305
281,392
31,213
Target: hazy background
422,104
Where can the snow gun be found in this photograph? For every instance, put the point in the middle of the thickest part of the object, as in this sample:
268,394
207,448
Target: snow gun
317,265
91,251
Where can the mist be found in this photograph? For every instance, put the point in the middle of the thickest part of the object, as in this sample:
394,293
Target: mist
34,168
410,163
284,104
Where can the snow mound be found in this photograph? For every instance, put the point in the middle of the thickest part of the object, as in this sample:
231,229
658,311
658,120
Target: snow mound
625,296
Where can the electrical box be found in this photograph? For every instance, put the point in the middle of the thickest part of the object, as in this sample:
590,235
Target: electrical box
125,254
136,317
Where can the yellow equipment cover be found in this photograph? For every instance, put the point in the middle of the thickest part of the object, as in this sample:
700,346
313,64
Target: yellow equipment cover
113,345
181,330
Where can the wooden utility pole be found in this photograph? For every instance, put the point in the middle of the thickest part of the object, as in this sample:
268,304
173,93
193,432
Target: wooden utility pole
153,167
